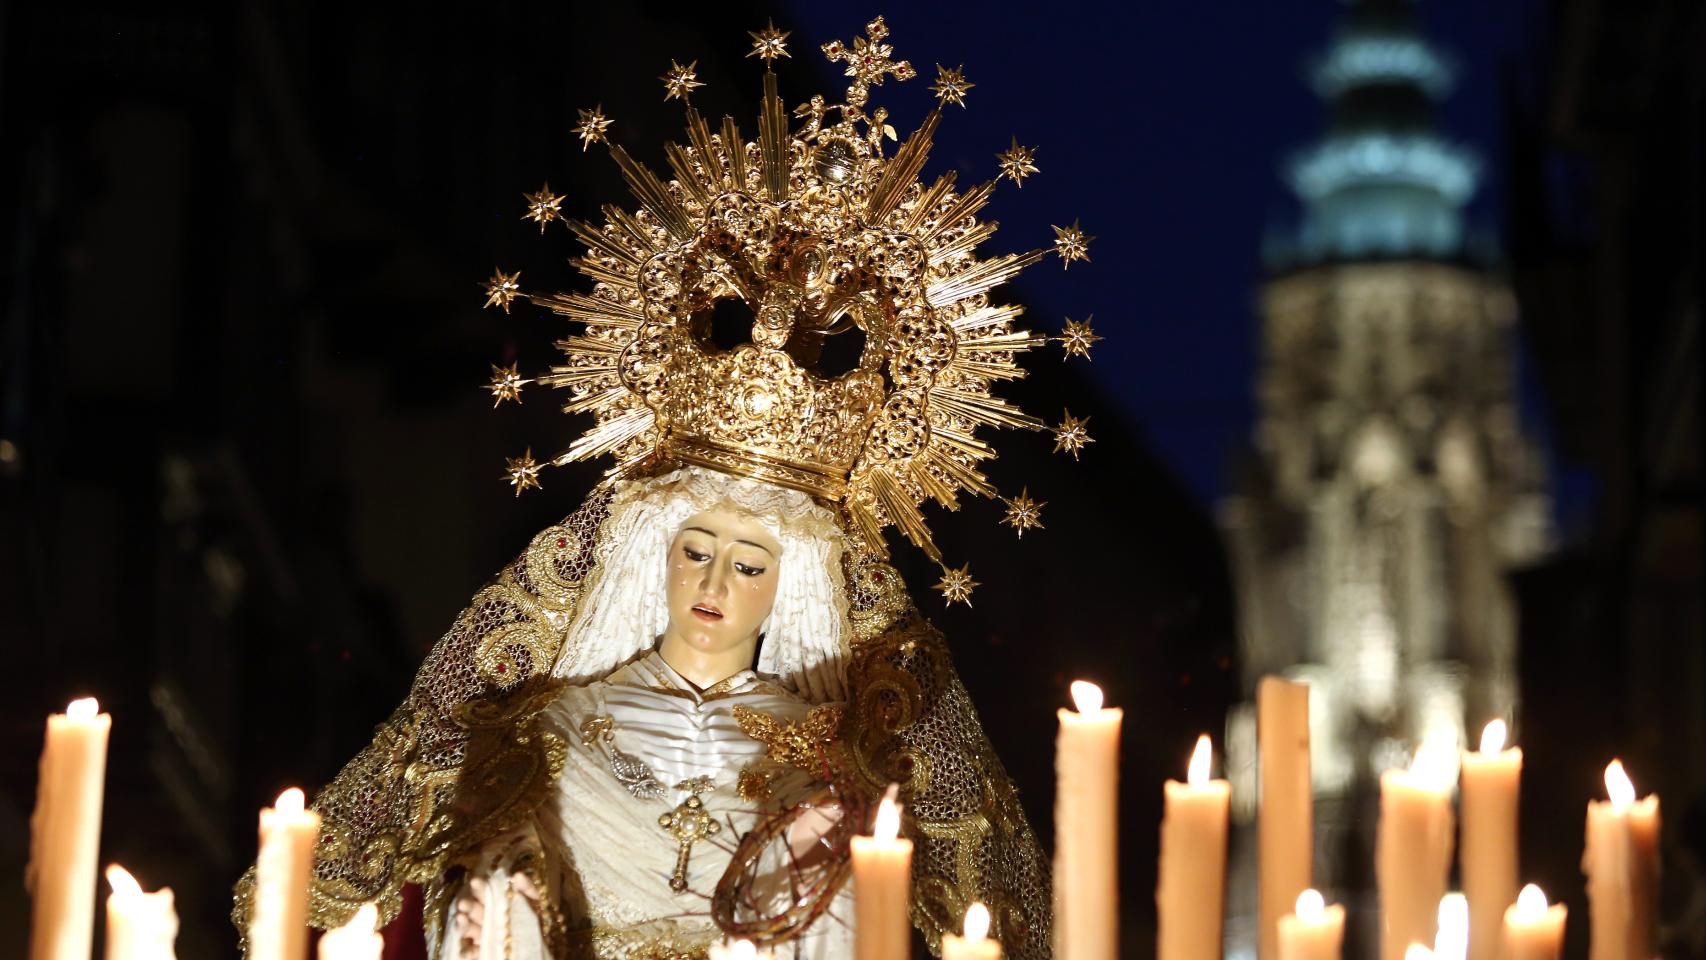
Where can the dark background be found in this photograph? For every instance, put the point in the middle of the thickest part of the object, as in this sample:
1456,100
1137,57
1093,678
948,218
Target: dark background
248,475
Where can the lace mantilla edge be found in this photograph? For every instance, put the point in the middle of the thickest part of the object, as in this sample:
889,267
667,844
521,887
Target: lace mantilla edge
406,809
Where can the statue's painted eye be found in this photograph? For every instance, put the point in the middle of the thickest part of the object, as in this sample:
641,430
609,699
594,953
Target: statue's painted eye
749,570
695,555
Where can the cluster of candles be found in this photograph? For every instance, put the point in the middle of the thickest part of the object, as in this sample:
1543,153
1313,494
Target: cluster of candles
1414,854
1414,851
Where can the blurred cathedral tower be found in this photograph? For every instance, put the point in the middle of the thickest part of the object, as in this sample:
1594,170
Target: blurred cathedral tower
1391,487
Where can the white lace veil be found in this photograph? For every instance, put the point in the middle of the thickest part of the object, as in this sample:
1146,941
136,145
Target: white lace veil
623,610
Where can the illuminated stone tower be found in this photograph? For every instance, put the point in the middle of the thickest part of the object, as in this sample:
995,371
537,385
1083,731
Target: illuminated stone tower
1391,488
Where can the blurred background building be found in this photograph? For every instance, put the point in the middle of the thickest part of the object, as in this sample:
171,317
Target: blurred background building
1393,488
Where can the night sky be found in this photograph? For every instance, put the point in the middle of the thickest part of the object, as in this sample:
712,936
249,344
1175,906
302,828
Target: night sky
1178,117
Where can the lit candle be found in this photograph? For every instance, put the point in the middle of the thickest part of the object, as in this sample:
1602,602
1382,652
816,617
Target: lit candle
1533,930
140,926
65,832
1284,818
359,939
1491,781
278,921
882,875
1314,931
1413,847
1086,831
1621,861
1452,940
975,945
1191,890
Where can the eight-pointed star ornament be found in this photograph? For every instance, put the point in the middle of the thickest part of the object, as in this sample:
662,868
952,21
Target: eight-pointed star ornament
1077,339
593,127
1017,163
523,472
680,81
506,384
951,85
543,207
956,585
1071,436
502,288
1072,244
769,43
1023,513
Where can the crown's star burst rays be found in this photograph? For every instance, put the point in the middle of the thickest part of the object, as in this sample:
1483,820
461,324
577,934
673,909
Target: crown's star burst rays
1071,436
769,43
680,81
956,585
756,216
1077,339
1072,244
1024,513
502,288
593,127
1017,163
543,207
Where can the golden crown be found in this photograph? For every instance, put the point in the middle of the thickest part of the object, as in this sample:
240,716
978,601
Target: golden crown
818,234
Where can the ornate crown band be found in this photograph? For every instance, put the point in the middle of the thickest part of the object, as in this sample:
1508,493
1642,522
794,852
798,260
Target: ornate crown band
816,234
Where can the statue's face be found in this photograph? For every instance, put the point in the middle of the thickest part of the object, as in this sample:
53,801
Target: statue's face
723,569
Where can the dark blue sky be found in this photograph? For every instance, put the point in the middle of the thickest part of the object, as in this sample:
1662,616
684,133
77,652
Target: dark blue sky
1162,126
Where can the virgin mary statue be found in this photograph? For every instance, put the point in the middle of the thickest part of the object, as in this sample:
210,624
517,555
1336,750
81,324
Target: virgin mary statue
657,728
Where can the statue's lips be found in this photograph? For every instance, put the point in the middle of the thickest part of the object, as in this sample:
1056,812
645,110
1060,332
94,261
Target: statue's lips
707,613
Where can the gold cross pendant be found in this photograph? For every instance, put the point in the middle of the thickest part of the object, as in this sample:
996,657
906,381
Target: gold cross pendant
687,823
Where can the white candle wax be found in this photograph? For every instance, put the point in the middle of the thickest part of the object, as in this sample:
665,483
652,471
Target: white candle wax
1413,848
1621,861
1533,930
1313,931
975,944
1086,836
882,880
278,919
65,833
1491,783
1190,894
1284,818
140,926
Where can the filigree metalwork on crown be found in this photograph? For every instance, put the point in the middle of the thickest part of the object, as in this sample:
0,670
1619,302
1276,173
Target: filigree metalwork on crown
806,234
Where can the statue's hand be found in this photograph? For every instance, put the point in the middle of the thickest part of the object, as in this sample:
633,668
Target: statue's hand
806,834
470,910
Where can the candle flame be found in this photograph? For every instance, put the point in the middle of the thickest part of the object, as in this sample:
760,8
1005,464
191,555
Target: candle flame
887,826
1493,737
1416,951
1452,940
743,950
1197,773
82,710
1618,786
1086,696
1310,907
1531,904
977,923
290,801
124,885
1433,763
